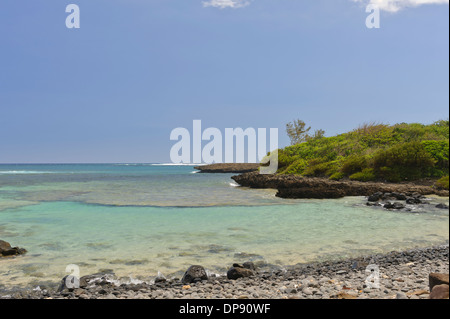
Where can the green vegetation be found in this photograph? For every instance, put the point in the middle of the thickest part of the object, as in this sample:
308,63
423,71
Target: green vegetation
443,183
372,152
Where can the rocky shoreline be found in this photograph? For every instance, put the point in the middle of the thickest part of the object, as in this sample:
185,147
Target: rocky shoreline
409,274
294,186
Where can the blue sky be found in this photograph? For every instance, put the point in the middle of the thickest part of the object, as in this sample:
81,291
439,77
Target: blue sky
113,90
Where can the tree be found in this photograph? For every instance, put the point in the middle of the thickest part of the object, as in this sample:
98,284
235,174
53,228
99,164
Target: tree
297,131
318,134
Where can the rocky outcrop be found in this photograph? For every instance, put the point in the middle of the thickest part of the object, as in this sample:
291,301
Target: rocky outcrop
194,274
6,250
228,168
295,186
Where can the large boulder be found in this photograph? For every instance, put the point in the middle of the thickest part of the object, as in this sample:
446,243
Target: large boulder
399,196
441,206
6,249
194,274
413,201
374,204
436,279
241,271
439,292
375,197
395,205
4,246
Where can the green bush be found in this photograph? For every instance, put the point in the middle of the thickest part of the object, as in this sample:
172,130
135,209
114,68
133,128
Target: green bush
337,176
320,169
297,167
366,175
354,164
443,183
406,161
284,160
388,174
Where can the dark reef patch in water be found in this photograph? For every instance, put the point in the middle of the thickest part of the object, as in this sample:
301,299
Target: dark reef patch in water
99,246
128,262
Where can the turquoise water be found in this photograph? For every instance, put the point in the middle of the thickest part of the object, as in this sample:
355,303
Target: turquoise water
138,220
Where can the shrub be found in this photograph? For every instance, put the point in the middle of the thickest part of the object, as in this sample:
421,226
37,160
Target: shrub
443,183
320,169
284,160
388,174
376,135
297,167
406,161
337,176
354,164
366,175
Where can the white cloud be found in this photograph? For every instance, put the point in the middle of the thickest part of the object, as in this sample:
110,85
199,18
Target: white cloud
397,5
222,4
385,5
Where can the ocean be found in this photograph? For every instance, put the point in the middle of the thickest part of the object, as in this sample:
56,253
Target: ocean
138,220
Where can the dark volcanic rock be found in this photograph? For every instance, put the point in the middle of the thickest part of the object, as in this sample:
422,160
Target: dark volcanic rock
399,196
4,246
295,186
388,205
413,201
7,250
418,195
396,205
237,272
375,197
442,206
372,204
193,274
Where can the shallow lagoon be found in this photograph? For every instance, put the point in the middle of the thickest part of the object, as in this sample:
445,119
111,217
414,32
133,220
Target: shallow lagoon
138,220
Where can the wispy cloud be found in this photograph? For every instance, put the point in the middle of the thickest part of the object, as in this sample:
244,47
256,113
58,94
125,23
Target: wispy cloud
397,5
222,4
385,5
